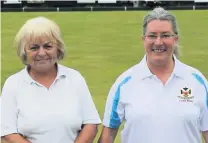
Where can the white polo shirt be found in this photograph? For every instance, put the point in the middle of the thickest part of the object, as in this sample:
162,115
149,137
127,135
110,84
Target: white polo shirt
176,112
42,115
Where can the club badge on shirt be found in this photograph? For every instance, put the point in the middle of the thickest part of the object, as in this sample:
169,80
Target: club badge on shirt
186,95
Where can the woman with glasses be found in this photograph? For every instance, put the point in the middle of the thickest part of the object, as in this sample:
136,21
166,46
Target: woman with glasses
159,100
46,102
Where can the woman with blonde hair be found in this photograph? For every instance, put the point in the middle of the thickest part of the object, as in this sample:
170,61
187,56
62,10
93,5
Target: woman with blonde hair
46,102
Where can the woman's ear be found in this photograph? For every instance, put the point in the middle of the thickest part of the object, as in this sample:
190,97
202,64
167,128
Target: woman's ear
142,37
58,54
24,57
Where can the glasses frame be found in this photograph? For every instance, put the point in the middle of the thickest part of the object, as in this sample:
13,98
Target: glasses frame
164,36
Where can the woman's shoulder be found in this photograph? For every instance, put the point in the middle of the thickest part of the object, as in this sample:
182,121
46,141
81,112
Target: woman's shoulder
13,79
70,72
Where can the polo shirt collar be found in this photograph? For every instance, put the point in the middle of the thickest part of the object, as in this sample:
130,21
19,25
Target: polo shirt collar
61,72
144,71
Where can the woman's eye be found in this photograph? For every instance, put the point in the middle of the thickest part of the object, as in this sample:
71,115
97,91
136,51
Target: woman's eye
34,48
47,46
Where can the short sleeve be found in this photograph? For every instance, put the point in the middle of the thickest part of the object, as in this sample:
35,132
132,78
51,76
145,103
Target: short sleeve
8,109
204,120
114,109
89,112
204,117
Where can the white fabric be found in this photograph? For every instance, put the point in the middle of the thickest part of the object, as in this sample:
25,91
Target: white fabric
42,115
85,1
157,113
107,1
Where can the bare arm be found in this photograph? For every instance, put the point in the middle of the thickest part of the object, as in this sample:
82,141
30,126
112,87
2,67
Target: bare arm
108,135
14,138
205,134
88,133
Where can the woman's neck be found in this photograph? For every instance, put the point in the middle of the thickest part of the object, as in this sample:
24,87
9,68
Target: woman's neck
45,78
162,71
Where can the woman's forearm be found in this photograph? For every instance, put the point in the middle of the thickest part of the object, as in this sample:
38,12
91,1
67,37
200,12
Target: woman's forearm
108,135
205,134
88,134
14,138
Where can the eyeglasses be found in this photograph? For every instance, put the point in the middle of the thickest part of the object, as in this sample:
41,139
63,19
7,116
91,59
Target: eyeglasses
163,37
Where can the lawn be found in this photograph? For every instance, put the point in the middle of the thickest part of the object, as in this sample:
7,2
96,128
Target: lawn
101,45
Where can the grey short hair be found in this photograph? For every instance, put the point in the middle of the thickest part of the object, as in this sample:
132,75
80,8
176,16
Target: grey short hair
161,14
37,27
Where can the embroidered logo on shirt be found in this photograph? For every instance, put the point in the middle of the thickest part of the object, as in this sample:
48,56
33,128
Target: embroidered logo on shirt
186,95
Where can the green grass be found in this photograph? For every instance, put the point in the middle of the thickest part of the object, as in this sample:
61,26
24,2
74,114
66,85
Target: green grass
101,45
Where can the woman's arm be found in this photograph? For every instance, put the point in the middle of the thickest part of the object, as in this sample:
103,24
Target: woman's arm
14,138
9,113
108,135
87,134
205,134
89,113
